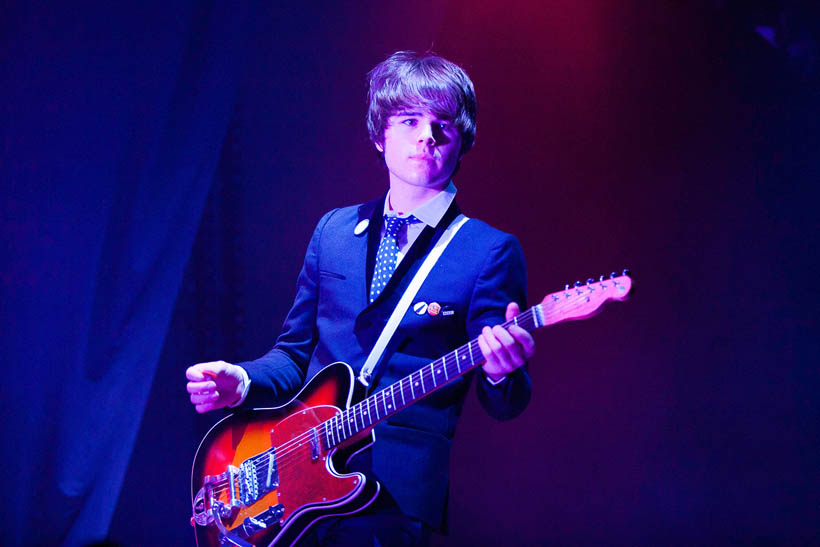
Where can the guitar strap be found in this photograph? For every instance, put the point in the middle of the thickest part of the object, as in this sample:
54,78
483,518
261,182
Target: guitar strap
409,294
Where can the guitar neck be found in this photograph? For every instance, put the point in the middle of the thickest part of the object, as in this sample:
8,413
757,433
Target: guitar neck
576,302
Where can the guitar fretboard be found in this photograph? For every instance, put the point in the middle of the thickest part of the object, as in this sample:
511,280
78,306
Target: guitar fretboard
576,302
367,413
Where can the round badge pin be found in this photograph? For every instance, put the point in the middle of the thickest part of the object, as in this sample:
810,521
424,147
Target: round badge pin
420,308
361,227
434,308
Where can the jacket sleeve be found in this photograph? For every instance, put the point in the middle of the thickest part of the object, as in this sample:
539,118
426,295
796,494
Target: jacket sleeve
502,280
278,375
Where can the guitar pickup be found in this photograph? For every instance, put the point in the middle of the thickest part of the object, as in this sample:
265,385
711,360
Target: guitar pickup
314,444
272,477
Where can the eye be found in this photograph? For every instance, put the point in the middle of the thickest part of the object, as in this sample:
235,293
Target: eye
410,122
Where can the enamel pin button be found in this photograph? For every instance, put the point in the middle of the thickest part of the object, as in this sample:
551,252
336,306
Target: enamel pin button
420,308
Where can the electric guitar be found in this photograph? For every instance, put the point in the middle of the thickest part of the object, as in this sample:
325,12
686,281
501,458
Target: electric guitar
264,476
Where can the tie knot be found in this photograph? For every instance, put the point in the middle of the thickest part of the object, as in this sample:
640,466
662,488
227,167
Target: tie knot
393,224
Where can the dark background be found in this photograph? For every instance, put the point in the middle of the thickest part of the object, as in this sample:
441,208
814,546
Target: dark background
163,168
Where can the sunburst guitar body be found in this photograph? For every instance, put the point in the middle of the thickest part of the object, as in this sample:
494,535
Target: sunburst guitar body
264,476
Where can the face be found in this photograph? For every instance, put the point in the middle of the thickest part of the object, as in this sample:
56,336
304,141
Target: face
420,149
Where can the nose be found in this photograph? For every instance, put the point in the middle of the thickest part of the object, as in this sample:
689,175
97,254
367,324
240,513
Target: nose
426,134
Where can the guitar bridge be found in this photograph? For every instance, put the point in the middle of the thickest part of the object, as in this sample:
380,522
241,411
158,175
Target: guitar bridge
222,495
251,489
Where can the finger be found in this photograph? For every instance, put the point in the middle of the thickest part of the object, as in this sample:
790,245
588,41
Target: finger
509,352
525,339
499,360
485,349
200,387
504,338
512,310
194,373
492,341
203,371
206,407
200,398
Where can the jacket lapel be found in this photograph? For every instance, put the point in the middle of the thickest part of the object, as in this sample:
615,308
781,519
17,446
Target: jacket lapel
409,265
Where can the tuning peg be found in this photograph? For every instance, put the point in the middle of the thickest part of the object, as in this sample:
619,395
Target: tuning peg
590,281
566,287
578,284
601,279
613,275
627,272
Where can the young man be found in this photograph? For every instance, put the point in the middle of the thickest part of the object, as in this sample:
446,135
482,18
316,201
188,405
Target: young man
360,260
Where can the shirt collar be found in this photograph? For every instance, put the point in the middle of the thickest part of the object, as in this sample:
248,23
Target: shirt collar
432,211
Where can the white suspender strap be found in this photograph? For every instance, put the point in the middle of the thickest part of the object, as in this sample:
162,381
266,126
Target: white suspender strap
408,296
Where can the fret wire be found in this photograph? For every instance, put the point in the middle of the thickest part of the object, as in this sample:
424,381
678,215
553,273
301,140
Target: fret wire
334,428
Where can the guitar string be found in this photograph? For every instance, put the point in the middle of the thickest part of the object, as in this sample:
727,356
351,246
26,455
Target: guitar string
344,418
284,452
341,420
285,458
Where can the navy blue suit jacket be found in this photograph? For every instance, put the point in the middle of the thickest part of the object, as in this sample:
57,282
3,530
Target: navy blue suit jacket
481,270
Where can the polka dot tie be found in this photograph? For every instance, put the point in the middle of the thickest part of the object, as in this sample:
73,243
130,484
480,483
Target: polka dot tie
388,254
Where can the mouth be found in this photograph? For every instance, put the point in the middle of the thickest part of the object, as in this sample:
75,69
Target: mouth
423,157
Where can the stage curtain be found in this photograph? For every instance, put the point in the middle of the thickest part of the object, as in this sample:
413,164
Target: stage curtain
113,118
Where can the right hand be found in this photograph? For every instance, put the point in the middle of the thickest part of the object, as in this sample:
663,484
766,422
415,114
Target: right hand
214,385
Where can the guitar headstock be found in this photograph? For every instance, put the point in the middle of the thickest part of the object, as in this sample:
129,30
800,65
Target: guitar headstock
583,300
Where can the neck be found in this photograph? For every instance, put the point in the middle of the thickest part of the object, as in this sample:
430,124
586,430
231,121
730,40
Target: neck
405,198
